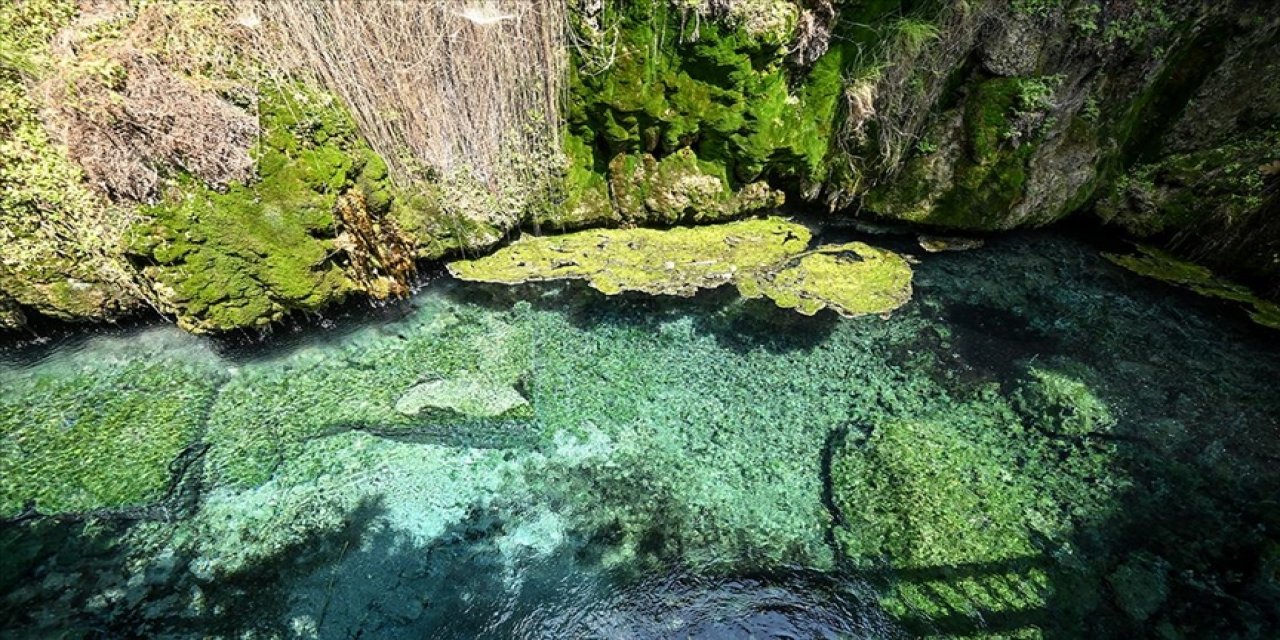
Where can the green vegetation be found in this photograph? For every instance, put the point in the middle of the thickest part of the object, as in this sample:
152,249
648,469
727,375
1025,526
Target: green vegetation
998,127
852,279
1130,24
677,261
969,504
1161,265
61,242
271,409
719,91
762,258
246,256
1060,400
680,188
105,430
1225,183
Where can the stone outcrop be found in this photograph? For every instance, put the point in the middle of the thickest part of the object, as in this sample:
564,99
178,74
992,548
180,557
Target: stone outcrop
1157,118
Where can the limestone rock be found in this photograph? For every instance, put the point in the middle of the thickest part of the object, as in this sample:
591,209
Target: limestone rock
473,398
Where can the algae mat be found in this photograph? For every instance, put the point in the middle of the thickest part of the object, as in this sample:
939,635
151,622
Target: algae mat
768,258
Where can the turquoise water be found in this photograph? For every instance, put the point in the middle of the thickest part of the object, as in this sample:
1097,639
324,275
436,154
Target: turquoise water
1038,445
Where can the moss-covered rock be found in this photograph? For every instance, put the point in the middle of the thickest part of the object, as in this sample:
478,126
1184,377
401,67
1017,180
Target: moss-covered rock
705,89
1226,182
1060,400
677,261
762,258
247,256
1162,265
852,279
271,409
61,242
976,171
682,189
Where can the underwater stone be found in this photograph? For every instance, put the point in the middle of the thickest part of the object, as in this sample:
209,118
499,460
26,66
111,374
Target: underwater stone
474,398
1140,585
1060,399
939,244
107,429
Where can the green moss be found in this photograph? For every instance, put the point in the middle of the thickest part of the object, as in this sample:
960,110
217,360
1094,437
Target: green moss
718,90
1227,182
926,494
105,430
852,280
1060,400
271,409
246,256
1161,265
974,182
675,262
762,258
681,188
976,508
586,191
60,241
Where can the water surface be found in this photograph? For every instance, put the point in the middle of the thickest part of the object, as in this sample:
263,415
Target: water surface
1038,445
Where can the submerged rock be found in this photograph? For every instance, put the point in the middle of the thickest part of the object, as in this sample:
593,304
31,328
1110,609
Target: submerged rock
475,398
111,432
939,244
762,258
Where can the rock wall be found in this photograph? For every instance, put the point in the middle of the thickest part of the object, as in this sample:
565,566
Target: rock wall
1158,117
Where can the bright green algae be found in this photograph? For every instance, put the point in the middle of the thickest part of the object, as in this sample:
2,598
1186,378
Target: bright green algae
1040,454
1162,265
246,255
762,258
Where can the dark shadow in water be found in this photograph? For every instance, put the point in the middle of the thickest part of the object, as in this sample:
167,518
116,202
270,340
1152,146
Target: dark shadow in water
736,324
35,344
368,581
78,580
1192,545
465,587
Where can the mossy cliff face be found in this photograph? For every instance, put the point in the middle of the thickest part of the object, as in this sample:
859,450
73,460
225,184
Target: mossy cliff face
246,256
59,242
131,174
982,115
711,95
1163,114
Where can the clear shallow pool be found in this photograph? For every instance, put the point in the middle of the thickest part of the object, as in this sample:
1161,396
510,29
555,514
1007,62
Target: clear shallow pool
1038,445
